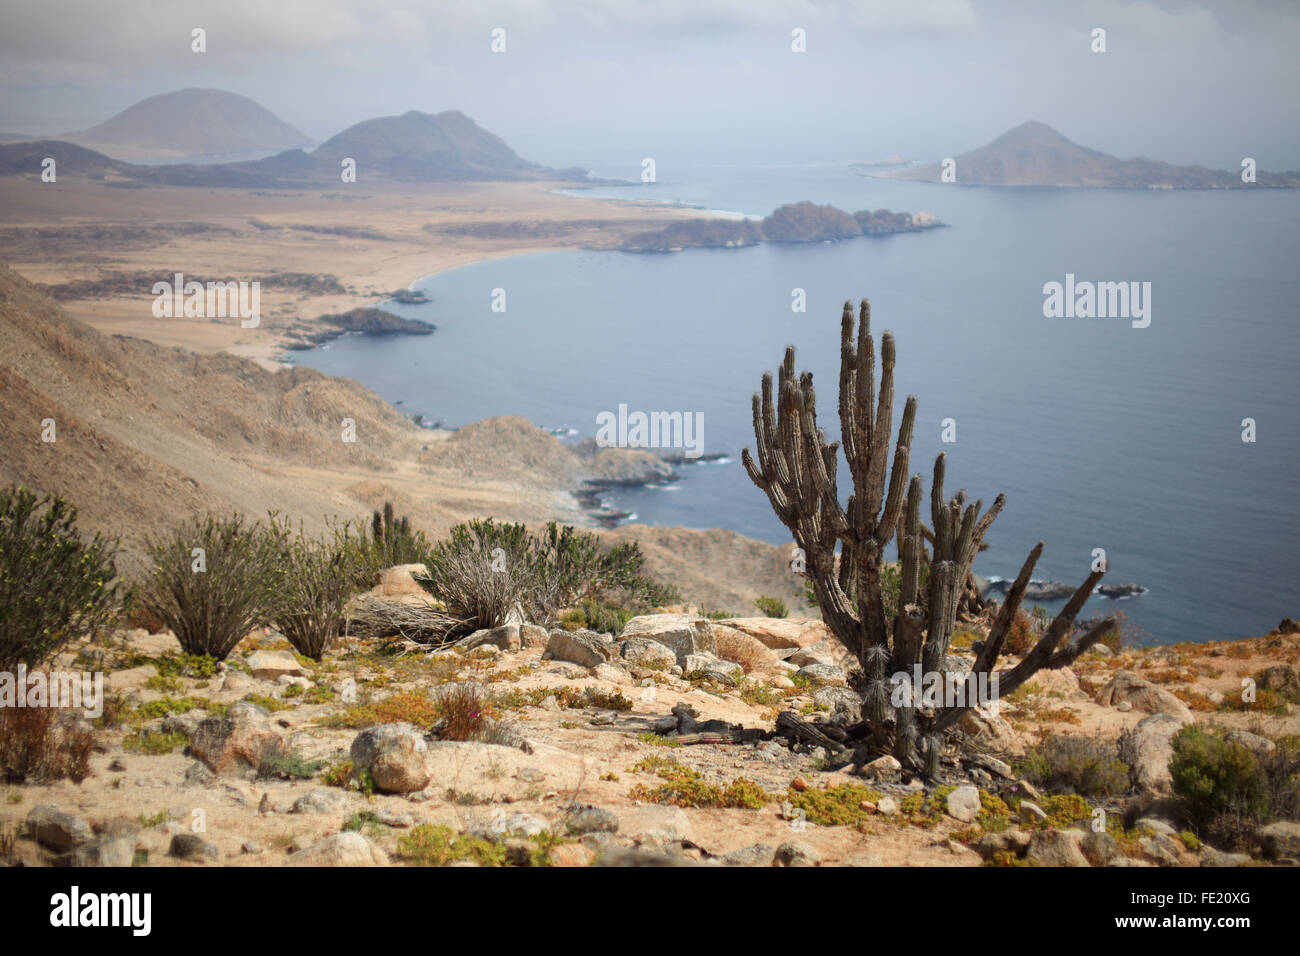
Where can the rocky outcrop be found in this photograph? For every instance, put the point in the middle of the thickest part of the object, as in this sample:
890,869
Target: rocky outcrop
1141,694
1147,749
683,634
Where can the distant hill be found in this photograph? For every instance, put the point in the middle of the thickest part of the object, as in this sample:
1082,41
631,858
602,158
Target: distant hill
413,147
191,122
1034,154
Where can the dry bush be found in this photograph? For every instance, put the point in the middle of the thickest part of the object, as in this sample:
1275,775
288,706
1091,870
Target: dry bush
464,710
741,649
43,744
1020,636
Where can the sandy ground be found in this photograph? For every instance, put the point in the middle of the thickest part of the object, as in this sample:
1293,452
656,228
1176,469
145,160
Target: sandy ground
586,755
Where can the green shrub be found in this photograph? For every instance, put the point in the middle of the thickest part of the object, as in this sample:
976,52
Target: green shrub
1089,766
210,601
1216,777
319,578
771,607
483,569
55,586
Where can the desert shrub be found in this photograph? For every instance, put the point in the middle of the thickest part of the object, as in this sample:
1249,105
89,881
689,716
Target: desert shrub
319,578
390,542
279,762
55,585
43,744
1020,635
463,709
484,569
1089,766
1219,782
598,617
771,607
685,787
211,601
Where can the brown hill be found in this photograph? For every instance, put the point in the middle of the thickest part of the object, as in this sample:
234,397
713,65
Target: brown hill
191,122
1034,154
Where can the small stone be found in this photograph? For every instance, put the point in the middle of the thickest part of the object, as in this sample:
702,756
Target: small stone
799,784
191,846
56,830
592,820
270,665
341,849
760,854
796,853
887,805
320,801
1057,848
1031,812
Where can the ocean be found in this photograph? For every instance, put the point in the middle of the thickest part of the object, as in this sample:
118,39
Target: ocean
1101,434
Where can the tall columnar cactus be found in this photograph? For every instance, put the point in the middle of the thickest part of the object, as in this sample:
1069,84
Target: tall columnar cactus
797,468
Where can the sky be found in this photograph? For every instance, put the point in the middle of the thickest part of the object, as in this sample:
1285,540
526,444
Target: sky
587,82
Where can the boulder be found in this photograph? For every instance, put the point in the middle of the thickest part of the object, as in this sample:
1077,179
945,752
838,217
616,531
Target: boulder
578,647
823,674
710,664
1147,749
191,846
1259,746
760,854
236,741
56,830
1127,687
1057,848
1212,857
682,634
400,581
655,824
1099,847
531,635
783,632
1281,839
272,665
507,637
341,849
395,756
115,852
323,800
644,651
796,853
964,803
592,820
844,706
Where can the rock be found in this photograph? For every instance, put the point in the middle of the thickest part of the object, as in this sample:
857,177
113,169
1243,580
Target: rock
1120,590
710,663
550,702
760,854
56,830
198,775
1280,839
1099,847
682,634
1156,825
1145,696
822,674
887,806
1008,841
1212,857
1031,812
116,851
1287,626
321,801
395,756
401,581
504,638
989,731
1161,848
964,803
1057,848
796,853
643,650
191,846
882,768
578,647
236,741
341,849
1129,861
570,854
1147,749
655,824
531,635
638,856
271,665
251,848
517,824
1062,681
592,820
806,656
612,673
779,633
842,705
187,724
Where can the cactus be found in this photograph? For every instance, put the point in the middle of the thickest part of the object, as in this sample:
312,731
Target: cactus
797,468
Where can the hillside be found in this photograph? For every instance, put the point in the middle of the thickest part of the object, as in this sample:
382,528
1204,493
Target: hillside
1034,154
145,435
191,122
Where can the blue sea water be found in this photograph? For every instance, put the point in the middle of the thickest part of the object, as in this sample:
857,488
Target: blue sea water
1101,434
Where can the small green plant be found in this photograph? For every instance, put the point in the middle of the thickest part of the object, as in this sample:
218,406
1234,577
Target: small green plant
432,845
842,805
148,820
685,787
283,763
771,606
655,740
153,744
1085,765
55,585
